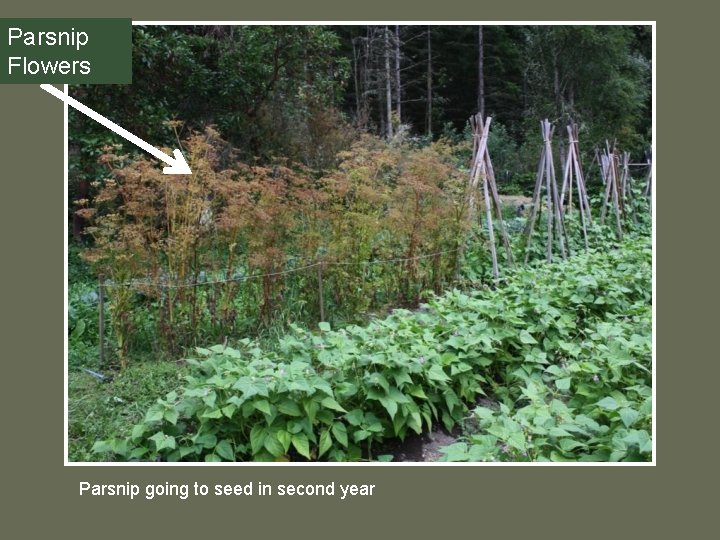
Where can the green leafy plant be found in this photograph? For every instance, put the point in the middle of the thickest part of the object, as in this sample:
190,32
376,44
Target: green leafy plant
553,353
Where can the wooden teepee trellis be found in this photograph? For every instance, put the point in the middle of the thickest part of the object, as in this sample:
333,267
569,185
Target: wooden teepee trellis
482,169
647,192
546,178
604,163
626,189
612,190
597,159
648,180
573,170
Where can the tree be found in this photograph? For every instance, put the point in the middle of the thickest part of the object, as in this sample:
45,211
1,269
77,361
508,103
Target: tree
398,85
428,116
283,92
589,74
481,73
269,90
388,84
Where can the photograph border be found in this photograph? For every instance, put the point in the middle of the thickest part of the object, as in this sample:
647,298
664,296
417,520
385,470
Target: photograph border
651,463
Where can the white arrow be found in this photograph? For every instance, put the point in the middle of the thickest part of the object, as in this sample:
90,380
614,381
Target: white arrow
178,165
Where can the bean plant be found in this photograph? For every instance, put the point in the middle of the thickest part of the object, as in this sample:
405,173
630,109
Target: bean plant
561,351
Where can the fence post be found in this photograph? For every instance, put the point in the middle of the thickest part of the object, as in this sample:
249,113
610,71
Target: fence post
321,301
101,321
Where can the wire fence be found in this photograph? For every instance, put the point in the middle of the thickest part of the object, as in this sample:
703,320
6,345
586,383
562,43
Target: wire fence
163,283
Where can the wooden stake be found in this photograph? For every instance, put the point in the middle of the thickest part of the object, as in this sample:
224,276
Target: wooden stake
627,187
648,181
482,166
536,192
615,197
582,190
559,222
555,219
608,188
101,322
535,211
321,301
567,176
582,213
570,189
491,233
573,169
498,206
598,159
548,200
584,205
480,134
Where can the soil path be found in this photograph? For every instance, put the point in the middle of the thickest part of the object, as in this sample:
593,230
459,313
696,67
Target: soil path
425,447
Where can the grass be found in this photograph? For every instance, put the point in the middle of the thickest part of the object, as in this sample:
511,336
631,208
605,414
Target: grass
98,410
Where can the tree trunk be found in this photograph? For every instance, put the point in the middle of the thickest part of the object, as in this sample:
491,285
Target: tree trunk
481,73
388,85
367,64
556,86
428,110
356,80
398,86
